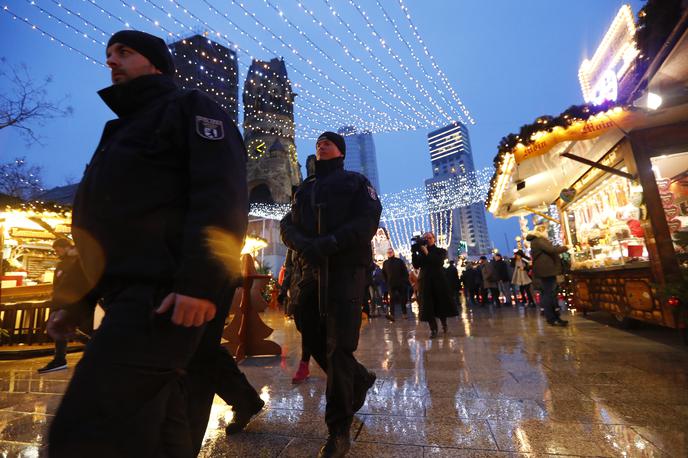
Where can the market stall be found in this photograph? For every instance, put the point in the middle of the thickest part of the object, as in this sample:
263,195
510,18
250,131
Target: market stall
613,176
27,232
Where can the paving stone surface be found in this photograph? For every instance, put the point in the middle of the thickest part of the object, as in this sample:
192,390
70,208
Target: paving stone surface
500,383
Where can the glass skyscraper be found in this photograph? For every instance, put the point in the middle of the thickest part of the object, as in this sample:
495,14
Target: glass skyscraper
360,154
451,156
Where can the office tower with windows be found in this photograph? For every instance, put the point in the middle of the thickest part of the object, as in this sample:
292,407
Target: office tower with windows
360,154
206,65
451,156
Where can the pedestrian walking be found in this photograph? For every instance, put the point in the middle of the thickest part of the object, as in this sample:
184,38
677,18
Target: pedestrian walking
472,282
70,291
546,267
289,294
490,281
432,284
453,281
396,277
521,279
167,179
379,292
503,279
338,249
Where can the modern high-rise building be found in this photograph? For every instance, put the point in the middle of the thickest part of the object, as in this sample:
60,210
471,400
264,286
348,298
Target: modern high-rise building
451,156
360,154
203,64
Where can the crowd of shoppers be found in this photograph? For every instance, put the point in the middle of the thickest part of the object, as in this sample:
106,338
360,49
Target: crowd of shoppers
147,379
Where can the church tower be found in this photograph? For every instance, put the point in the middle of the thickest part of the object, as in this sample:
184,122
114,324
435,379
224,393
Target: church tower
273,167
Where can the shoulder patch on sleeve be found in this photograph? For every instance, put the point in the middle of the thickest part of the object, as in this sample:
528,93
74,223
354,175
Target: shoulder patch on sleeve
210,129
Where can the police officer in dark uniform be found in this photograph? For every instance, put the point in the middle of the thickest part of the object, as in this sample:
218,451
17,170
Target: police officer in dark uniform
351,215
167,182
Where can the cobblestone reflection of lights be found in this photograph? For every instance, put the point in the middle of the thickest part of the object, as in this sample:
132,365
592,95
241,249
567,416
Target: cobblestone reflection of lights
221,415
265,394
523,442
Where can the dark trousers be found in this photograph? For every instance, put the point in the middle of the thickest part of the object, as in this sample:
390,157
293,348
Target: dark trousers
526,293
144,386
397,295
231,384
548,298
305,353
433,323
494,292
472,294
61,350
333,341
85,325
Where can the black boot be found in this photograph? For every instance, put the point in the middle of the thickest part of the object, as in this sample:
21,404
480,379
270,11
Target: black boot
336,446
361,390
243,416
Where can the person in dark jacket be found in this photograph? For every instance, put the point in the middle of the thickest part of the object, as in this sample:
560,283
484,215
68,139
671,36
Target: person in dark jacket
490,281
472,281
396,277
503,278
166,184
546,267
70,290
453,281
379,292
351,213
432,284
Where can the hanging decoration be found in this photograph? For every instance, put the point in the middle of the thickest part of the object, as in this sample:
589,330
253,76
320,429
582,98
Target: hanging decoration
378,93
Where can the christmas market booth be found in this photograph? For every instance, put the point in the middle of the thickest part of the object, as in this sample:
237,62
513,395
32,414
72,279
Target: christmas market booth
27,232
612,176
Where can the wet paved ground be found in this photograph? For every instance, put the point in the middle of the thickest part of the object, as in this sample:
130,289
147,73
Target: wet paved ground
499,384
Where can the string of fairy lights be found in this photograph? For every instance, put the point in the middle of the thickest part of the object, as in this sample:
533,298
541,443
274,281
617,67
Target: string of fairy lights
343,113
372,74
385,45
435,198
389,95
379,97
309,131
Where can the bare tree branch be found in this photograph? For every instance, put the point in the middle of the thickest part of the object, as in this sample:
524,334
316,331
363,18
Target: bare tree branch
24,103
19,179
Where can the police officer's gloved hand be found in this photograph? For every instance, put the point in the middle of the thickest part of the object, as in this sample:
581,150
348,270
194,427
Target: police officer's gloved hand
301,242
319,249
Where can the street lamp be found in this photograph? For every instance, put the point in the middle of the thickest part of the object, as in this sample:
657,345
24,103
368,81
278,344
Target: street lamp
648,101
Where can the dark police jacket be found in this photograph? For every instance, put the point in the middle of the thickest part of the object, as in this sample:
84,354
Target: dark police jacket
352,214
170,169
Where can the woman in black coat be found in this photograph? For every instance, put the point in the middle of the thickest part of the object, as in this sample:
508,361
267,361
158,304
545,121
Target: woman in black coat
435,296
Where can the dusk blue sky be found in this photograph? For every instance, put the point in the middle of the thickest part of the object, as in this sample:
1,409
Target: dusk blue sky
510,62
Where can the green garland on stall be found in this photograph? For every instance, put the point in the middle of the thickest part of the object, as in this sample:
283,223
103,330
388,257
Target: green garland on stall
566,118
545,123
656,20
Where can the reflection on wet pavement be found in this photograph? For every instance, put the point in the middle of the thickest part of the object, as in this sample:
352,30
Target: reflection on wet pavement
500,384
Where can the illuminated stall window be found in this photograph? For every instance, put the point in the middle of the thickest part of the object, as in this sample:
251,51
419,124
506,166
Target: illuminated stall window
605,225
671,173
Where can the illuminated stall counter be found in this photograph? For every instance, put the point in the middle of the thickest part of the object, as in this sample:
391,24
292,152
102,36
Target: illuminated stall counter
613,175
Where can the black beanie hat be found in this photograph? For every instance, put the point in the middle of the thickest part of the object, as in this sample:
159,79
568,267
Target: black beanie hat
334,138
151,47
